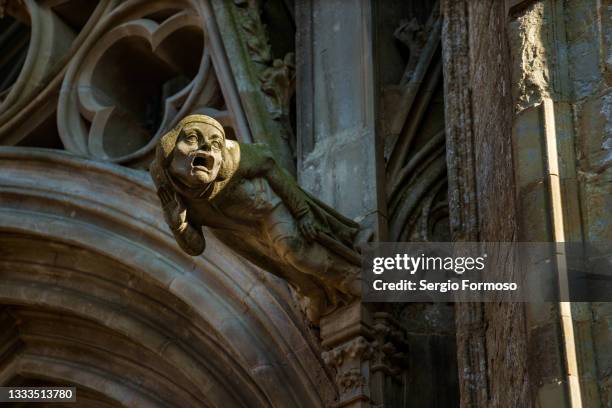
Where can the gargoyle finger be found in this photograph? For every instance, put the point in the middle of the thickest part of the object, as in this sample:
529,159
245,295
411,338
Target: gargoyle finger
304,231
164,199
311,232
164,195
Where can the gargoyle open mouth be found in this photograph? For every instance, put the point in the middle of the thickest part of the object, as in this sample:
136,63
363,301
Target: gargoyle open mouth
203,162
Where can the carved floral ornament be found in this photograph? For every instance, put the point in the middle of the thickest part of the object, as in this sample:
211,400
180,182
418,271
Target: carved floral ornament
124,77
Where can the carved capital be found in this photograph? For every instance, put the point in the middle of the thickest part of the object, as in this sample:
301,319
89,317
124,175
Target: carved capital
347,334
390,347
350,362
353,350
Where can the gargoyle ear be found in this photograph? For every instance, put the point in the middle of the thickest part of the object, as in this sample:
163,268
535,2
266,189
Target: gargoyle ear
226,165
156,170
165,146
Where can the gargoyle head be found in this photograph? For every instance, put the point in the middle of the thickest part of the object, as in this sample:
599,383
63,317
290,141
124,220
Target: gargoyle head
194,152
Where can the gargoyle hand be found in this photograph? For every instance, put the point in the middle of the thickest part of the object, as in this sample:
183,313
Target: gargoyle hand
308,226
175,212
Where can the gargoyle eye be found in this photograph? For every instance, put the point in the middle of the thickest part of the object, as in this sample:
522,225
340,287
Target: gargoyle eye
216,145
191,138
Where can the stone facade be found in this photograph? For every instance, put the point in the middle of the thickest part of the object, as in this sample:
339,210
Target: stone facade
465,120
543,62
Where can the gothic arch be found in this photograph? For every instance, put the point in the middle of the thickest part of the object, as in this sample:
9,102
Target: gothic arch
98,295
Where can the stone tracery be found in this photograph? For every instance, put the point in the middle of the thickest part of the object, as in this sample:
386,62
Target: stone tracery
130,85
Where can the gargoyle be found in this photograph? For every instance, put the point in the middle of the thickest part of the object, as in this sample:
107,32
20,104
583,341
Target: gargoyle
257,208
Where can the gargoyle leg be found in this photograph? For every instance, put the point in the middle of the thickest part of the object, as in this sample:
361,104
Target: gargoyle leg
311,258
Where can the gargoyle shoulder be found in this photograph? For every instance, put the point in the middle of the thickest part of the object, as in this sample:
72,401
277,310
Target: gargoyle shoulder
233,149
255,158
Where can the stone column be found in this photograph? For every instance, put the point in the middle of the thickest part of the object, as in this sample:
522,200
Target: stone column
528,133
340,157
339,153
346,334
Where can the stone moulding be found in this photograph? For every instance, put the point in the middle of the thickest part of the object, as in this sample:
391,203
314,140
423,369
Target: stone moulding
51,43
416,161
463,209
50,39
225,328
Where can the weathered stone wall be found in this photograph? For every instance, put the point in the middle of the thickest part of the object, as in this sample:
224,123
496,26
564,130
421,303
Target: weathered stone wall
561,90
538,79
490,75
589,37
492,346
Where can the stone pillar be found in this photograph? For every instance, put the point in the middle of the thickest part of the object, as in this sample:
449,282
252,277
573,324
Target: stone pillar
463,205
491,340
339,154
346,334
340,158
528,141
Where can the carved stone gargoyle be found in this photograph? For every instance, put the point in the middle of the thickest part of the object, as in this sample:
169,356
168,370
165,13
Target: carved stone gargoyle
257,208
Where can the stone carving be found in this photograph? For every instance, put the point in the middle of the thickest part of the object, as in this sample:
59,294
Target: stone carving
347,360
257,42
367,362
254,206
277,76
413,35
278,82
390,345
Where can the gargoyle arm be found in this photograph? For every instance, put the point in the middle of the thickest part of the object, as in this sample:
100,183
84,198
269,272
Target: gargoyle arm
190,239
283,184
